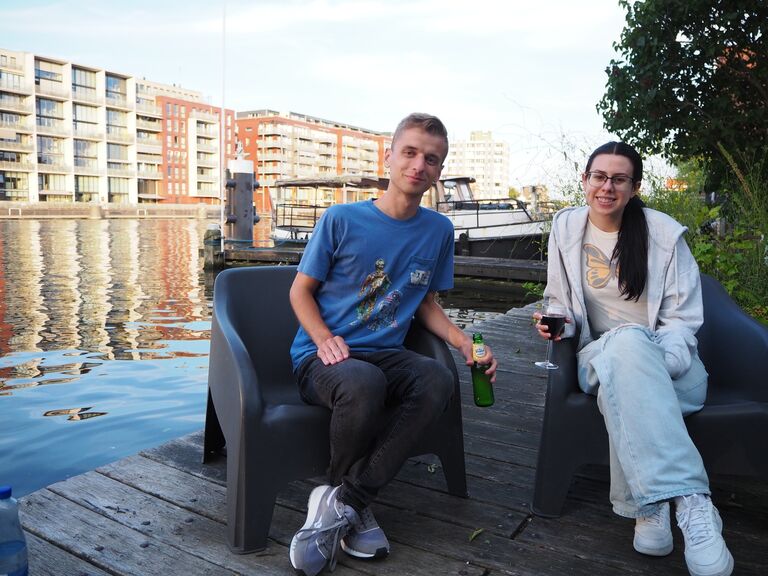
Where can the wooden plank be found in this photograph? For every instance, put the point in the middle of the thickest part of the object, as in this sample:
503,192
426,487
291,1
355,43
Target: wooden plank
104,542
141,473
46,559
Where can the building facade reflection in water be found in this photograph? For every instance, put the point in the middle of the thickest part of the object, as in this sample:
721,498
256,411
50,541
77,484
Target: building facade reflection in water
116,314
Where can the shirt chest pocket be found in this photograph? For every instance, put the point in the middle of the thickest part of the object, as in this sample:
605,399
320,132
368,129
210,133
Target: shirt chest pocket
420,273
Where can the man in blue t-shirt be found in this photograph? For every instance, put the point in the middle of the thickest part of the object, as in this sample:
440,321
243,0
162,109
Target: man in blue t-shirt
368,269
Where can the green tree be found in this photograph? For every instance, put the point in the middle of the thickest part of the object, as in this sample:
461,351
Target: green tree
690,79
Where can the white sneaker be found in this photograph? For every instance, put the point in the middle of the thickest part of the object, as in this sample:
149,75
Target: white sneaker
653,535
705,551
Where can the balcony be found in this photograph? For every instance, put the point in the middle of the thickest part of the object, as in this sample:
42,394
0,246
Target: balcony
88,170
149,145
149,158
88,133
55,127
89,95
19,125
207,147
152,125
25,88
25,107
53,89
149,109
117,101
204,116
207,178
57,168
21,146
207,163
120,134
17,166
150,174
121,172
66,193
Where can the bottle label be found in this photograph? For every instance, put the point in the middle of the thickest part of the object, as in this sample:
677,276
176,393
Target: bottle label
478,352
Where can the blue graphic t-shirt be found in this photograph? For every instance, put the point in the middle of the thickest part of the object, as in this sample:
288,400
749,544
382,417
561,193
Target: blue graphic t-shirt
374,271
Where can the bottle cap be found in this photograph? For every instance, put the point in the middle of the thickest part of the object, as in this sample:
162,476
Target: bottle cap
5,492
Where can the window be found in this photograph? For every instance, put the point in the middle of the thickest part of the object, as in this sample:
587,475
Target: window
49,150
117,152
51,182
86,154
49,112
9,80
47,71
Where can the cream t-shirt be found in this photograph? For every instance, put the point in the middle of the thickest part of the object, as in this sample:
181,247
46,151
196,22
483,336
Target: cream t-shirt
606,307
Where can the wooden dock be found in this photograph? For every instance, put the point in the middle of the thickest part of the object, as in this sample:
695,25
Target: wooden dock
162,512
475,266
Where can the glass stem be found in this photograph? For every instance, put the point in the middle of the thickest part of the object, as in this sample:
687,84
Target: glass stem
549,350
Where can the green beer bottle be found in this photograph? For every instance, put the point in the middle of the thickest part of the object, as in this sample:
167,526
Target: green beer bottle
481,382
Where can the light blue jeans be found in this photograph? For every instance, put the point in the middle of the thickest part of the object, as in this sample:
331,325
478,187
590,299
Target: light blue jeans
652,457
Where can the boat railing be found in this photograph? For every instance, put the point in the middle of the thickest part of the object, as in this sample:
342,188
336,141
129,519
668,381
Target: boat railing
476,212
297,218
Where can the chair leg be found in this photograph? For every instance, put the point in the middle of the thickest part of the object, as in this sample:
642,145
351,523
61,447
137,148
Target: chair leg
250,505
455,471
550,491
213,437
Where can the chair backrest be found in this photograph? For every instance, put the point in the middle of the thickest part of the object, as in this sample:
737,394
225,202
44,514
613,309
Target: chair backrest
255,302
733,347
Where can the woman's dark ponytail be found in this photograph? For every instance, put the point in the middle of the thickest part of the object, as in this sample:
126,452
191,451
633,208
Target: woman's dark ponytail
631,251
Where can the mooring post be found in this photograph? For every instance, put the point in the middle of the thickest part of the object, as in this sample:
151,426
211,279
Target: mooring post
240,215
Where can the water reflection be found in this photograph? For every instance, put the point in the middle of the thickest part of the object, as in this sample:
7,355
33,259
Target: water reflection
120,289
81,303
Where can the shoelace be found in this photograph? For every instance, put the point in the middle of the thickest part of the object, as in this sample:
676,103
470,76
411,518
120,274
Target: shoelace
336,527
656,519
367,521
697,523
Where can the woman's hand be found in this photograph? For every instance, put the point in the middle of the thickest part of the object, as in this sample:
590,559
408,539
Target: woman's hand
543,329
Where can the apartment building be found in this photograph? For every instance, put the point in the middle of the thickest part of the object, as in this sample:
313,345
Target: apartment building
287,145
484,159
74,133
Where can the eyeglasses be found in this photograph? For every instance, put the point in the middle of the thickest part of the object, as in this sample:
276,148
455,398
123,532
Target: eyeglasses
598,179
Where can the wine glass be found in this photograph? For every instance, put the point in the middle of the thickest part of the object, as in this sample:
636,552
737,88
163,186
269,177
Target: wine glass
554,318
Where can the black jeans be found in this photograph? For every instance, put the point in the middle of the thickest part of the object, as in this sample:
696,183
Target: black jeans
381,403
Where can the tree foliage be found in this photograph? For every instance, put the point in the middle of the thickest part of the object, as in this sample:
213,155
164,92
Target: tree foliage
690,79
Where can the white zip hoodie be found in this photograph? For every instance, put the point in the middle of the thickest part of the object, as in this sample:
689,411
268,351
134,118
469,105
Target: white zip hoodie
673,285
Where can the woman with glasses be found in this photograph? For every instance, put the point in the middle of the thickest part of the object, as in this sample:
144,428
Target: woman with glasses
633,294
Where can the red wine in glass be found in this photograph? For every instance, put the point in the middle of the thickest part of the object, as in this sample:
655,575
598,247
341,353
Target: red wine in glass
555,323
554,319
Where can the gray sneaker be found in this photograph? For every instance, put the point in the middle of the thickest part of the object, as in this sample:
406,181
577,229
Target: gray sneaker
315,545
653,535
705,551
365,539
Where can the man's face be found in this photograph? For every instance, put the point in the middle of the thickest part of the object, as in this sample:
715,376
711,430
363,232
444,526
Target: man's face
415,161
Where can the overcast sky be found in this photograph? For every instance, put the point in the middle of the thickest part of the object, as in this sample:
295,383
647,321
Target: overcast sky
529,71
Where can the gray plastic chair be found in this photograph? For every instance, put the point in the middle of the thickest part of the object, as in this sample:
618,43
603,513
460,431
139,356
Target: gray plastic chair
255,414
730,432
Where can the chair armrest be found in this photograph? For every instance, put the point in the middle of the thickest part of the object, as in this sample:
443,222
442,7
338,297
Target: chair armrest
232,378
421,340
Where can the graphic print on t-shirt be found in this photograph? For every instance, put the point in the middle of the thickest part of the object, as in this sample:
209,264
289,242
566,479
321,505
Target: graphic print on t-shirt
600,268
374,289
374,285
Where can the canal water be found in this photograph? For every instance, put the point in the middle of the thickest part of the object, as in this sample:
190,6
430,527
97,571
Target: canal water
104,337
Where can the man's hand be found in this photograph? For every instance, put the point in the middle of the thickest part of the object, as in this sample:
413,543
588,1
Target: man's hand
333,350
488,361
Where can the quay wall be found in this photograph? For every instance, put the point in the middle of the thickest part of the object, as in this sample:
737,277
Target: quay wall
50,210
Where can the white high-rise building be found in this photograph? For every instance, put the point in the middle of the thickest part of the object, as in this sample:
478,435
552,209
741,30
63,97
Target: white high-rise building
484,159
